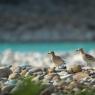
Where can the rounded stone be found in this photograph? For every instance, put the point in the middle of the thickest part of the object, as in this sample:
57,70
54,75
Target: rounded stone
14,76
74,69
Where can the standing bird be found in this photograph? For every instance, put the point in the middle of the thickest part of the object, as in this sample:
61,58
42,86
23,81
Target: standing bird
57,60
86,57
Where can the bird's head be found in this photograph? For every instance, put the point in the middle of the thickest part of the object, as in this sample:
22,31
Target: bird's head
51,53
81,50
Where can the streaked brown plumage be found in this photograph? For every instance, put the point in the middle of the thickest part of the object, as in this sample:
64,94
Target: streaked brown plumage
87,57
57,60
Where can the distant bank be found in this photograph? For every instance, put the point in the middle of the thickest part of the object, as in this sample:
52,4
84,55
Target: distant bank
47,21
45,36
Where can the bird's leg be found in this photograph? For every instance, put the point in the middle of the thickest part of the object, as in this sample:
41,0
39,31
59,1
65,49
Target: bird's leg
58,66
88,63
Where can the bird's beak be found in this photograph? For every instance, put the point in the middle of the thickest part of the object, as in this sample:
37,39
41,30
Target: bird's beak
49,53
77,50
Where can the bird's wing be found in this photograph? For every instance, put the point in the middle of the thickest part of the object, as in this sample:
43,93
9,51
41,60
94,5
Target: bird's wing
89,57
59,58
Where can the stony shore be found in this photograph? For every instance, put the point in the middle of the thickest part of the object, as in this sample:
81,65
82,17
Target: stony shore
68,79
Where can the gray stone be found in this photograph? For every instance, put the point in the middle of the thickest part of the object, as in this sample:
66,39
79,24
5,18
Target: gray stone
7,88
5,72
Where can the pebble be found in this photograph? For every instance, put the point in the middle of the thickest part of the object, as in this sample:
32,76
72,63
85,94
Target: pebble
79,76
5,72
74,68
11,82
67,76
14,76
7,88
23,72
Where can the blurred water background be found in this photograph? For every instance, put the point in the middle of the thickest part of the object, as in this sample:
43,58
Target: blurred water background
39,25
45,47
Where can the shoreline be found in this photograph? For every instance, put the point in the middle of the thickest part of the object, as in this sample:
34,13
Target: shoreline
18,68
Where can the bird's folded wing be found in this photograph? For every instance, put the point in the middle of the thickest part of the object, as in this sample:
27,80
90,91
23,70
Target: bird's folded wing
89,57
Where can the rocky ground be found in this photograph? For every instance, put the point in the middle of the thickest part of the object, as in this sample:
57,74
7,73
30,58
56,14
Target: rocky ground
71,78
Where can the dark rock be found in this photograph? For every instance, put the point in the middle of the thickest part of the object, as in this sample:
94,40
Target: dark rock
47,91
5,94
5,72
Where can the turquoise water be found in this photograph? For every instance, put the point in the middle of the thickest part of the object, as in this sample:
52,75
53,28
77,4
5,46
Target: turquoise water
44,47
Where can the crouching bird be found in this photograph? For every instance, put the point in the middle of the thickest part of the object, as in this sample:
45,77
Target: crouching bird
86,57
57,60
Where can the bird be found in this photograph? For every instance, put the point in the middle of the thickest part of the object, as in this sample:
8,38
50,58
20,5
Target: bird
57,60
86,57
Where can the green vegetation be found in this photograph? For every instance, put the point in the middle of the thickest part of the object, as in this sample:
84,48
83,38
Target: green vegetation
26,86
86,92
